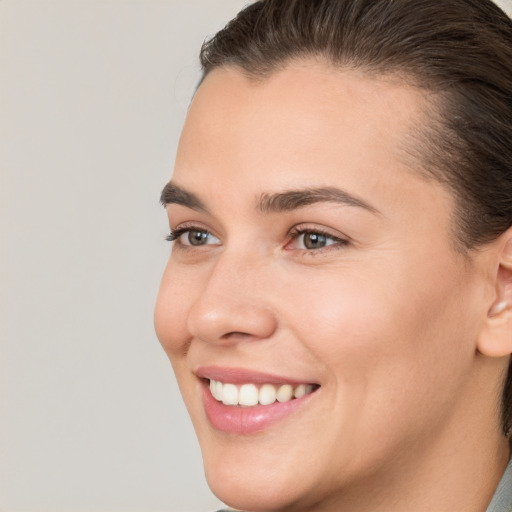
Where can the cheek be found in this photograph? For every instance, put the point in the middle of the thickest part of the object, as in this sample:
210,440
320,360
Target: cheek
348,326
173,302
388,332
394,358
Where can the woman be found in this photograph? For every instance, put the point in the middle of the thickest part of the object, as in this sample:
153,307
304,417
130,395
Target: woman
338,302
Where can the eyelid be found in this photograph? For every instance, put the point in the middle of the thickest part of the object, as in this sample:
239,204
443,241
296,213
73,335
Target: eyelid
315,228
185,227
189,226
340,239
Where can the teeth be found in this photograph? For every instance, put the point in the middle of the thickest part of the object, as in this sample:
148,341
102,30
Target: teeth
284,393
218,390
302,389
267,394
249,395
299,391
229,394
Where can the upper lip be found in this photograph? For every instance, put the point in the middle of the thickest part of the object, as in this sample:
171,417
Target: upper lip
245,376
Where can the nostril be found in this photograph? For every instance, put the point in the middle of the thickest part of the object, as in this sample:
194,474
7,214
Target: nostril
236,334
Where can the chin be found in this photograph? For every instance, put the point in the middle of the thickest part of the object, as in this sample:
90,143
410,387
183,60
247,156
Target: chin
259,490
256,475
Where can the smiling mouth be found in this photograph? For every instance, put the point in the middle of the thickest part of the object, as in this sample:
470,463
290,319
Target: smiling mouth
250,395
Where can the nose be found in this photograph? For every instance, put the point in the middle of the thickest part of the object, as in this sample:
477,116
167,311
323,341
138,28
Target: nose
231,306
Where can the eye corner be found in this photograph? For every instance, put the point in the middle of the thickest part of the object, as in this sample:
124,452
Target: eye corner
170,237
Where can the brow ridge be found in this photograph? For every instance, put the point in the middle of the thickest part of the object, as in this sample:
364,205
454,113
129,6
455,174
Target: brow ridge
294,199
271,202
173,194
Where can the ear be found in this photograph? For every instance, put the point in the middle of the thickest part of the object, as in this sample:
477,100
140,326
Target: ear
495,339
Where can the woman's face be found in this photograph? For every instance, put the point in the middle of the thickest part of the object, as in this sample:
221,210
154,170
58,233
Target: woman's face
311,258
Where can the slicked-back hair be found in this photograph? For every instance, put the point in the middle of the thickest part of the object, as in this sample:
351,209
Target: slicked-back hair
459,52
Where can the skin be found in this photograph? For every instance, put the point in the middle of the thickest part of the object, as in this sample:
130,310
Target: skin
388,320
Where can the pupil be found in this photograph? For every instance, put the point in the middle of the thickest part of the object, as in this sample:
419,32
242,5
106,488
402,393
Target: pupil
197,237
314,240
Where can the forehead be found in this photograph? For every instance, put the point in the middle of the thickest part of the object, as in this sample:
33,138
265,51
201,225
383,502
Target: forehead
296,113
310,126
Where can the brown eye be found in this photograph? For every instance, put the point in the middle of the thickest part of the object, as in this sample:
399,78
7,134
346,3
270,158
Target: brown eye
314,240
192,237
310,240
197,237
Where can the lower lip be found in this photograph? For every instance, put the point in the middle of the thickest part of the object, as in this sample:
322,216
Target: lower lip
247,420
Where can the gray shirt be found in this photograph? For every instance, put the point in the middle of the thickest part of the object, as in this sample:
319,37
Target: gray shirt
502,499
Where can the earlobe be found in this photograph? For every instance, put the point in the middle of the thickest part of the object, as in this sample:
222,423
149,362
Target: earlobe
498,308
495,339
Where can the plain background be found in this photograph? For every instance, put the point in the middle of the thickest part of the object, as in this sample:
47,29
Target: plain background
92,98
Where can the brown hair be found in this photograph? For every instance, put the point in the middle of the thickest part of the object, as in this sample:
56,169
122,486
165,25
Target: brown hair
459,50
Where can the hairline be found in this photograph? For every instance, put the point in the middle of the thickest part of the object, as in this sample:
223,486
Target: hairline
417,150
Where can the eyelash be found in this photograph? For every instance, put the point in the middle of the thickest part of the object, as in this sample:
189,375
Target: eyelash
176,233
294,234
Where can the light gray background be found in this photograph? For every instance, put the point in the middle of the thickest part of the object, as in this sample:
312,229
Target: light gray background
92,98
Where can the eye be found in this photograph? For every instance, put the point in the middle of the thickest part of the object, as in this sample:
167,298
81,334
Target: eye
310,239
192,237
313,241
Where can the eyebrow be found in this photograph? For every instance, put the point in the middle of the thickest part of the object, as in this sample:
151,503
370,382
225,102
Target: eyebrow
272,203
294,199
172,194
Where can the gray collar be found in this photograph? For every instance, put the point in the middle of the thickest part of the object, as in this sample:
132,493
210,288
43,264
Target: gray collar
502,499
